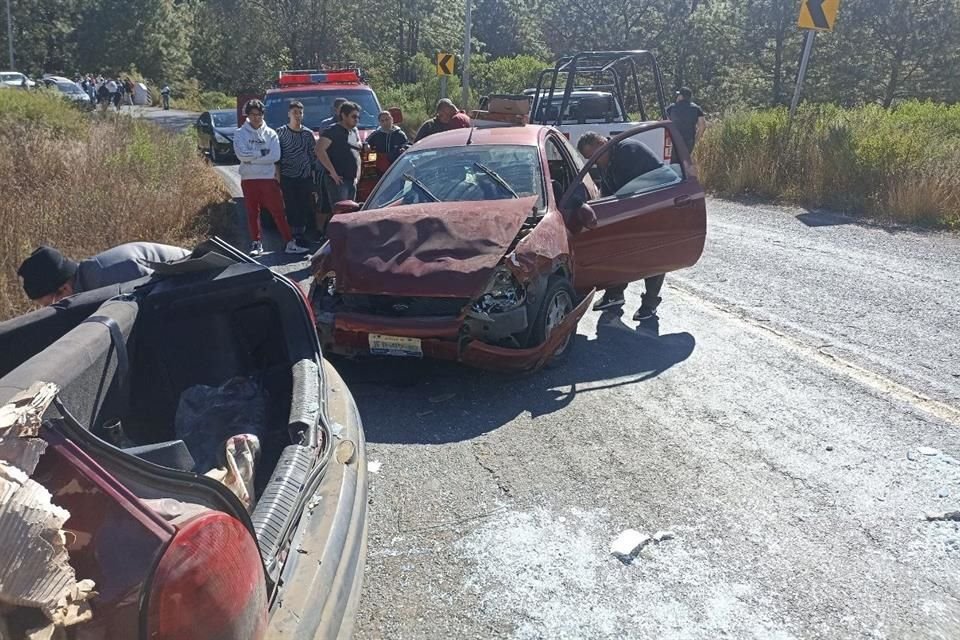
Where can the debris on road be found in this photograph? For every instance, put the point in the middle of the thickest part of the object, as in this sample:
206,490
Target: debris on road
928,451
628,544
661,536
911,455
943,516
829,447
374,466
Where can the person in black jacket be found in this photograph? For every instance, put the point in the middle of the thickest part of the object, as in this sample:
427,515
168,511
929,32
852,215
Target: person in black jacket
627,160
389,140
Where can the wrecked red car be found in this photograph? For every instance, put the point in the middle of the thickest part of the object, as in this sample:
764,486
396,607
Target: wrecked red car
485,246
177,461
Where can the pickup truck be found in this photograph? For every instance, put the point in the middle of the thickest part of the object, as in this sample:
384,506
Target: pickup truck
601,91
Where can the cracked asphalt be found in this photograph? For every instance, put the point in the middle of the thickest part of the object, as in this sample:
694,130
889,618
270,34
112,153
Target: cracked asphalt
772,420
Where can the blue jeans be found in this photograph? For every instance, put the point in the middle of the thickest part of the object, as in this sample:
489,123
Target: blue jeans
346,190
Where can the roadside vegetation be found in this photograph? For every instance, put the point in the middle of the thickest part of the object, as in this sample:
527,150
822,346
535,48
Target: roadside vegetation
901,164
85,183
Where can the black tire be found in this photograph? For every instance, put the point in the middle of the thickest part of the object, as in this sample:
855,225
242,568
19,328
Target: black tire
558,303
212,150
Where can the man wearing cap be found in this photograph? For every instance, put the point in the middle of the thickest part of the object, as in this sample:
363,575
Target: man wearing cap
48,276
688,116
448,117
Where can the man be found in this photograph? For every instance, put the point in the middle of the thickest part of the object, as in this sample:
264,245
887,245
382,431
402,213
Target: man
258,149
297,159
165,96
388,141
688,117
328,122
447,117
48,276
628,159
338,151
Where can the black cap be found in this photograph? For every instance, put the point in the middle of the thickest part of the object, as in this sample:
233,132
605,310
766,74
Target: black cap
45,271
685,92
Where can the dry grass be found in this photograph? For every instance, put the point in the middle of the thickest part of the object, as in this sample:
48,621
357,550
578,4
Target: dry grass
901,165
99,184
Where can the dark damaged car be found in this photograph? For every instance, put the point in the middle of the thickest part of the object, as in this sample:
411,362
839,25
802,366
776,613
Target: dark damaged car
177,461
485,246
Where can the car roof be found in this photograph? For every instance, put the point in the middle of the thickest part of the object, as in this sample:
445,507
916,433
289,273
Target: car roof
529,134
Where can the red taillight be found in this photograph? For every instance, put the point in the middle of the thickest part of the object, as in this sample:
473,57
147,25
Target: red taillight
209,584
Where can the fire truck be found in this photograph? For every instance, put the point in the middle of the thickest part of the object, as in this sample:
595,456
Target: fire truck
317,89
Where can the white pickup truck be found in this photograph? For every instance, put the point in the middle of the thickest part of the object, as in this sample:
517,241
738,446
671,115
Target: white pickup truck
598,91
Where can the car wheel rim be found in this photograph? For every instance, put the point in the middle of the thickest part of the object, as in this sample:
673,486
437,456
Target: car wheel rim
560,307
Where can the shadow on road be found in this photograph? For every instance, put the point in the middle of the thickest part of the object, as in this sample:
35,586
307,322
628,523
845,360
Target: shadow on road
426,402
825,219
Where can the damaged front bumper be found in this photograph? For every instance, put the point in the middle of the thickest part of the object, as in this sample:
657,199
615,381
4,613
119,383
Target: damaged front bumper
442,339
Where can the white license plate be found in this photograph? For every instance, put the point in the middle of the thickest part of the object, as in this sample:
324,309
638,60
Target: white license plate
381,345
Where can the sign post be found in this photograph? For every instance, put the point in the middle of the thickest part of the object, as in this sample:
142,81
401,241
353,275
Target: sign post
815,15
445,64
465,83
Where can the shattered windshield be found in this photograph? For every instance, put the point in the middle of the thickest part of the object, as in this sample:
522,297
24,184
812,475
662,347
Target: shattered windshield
462,174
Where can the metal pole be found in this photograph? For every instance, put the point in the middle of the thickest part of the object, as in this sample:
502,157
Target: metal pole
807,49
443,86
465,97
10,35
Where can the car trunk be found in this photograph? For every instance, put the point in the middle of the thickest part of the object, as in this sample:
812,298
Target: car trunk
123,373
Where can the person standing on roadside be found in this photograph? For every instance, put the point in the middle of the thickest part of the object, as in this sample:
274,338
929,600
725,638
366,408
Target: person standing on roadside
447,117
689,118
331,120
111,92
165,97
297,159
258,149
388,141
627,160
338,151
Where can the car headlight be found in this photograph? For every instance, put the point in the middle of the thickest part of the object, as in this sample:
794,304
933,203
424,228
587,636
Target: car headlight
504,293
222,139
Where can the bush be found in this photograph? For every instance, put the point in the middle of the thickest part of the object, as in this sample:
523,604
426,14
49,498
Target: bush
42,111
89,184
901,164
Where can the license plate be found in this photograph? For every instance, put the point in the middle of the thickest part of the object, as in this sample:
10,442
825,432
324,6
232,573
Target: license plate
381,345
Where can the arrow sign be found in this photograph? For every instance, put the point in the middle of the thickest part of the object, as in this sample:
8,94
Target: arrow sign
818,15
445,64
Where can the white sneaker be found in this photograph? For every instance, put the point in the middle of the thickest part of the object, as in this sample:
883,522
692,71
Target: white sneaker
293,247
256,248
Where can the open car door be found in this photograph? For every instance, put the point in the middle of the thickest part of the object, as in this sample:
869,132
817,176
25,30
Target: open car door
653,224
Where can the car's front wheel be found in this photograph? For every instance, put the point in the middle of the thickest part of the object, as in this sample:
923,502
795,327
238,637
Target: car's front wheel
557,305
214,156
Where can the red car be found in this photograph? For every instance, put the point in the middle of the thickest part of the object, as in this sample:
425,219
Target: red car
150,376
475,247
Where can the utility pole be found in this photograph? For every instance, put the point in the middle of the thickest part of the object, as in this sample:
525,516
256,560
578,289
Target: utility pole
10,34
465,97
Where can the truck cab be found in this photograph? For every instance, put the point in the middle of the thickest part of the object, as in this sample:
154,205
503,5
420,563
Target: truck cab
608,92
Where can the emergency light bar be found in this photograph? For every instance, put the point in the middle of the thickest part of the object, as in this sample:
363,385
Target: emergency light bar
290,78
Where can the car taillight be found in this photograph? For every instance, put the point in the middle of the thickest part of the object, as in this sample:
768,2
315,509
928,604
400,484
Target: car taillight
209,584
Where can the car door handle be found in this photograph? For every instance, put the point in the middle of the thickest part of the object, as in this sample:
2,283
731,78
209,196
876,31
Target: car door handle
682,201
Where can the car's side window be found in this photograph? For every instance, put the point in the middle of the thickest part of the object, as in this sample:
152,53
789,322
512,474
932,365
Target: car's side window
561,173
635,165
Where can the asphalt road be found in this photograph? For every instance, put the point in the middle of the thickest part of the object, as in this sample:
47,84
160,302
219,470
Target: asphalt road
791,419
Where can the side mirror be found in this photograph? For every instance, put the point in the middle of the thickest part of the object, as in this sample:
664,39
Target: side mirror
346,206
397,114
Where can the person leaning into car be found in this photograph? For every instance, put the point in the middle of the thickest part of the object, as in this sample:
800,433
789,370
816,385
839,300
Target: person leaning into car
48,276
628,159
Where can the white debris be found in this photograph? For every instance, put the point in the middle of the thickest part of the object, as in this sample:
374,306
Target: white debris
660,536
928,451
336,429
374,466
628,544
242,453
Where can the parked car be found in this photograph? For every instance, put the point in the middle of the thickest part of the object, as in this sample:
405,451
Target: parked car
70,90
174,553
215,131
15,79
485,246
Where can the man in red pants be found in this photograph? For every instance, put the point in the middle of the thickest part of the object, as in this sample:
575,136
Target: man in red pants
258,148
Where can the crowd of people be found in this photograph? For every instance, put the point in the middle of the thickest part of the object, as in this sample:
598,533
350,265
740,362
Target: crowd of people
106,92
277,168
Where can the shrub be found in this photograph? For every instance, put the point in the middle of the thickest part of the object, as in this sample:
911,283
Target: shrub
110,180
42,111
901,164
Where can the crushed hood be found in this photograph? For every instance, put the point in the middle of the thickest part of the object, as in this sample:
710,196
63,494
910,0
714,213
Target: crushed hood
439,249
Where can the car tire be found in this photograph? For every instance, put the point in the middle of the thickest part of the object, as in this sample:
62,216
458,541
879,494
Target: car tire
212,150
558,303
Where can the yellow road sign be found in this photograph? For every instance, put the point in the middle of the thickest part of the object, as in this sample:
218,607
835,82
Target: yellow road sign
819,15
445,64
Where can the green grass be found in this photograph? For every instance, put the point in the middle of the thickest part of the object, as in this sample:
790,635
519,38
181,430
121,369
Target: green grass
40,110
901,164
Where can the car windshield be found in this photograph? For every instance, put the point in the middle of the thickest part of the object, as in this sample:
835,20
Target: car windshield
69,87
224,118
459,174
318,105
